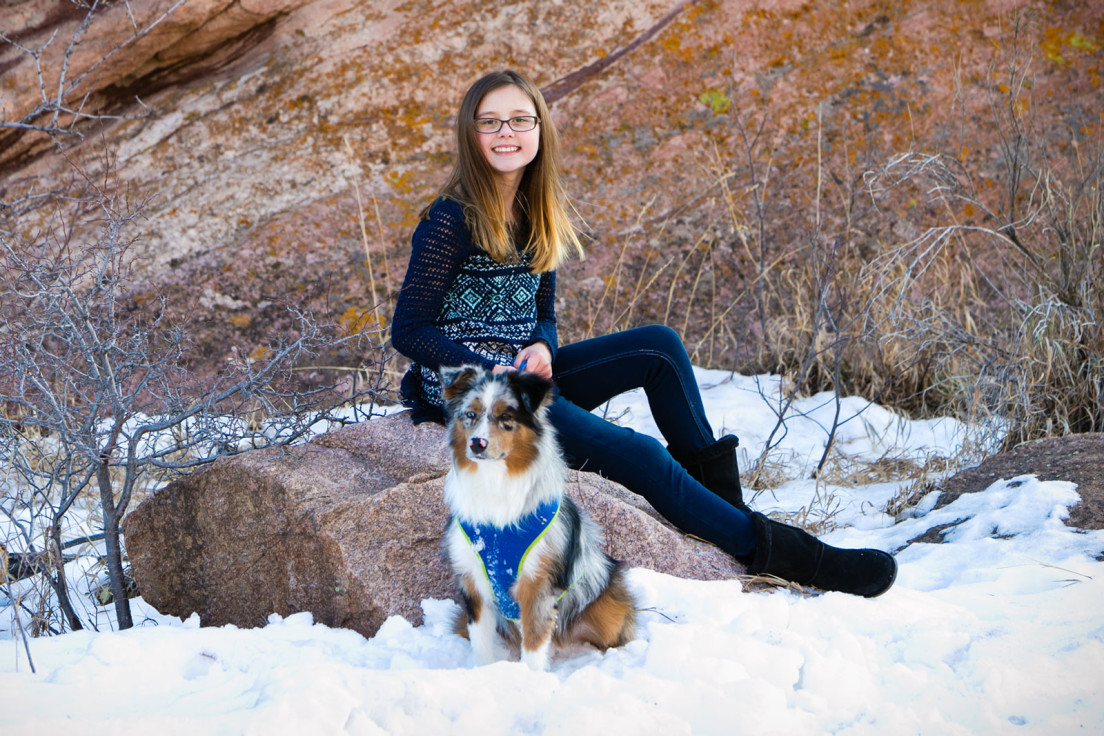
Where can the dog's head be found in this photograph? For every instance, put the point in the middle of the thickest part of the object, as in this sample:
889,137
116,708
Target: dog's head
495,417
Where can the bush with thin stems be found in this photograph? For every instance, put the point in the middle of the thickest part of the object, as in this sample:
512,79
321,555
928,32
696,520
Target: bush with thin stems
96,401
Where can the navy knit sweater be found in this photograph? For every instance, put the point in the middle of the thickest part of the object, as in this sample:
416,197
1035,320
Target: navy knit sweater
459,306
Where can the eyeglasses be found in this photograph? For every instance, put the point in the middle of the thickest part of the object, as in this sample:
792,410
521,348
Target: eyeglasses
520,124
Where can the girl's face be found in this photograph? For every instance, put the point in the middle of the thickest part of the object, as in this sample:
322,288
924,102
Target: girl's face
508,151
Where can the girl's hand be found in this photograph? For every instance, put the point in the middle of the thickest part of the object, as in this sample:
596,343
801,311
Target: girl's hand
537,358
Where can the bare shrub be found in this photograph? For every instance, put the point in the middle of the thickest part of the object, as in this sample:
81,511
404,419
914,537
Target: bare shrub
96,406
1012,331
63,108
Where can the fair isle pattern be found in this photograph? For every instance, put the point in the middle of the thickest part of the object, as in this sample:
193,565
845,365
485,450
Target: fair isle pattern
490,309
457,306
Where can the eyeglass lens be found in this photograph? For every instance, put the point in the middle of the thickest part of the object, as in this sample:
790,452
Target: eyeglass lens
519,124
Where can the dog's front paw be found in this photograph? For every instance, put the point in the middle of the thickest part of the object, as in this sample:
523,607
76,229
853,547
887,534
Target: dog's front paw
537,659
483,650
483,637
483,658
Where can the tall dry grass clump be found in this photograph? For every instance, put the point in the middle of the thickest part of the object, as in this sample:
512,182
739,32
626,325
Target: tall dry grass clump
999,302
998,320
1021,341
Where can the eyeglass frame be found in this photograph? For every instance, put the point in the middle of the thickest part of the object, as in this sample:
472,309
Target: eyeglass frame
534,118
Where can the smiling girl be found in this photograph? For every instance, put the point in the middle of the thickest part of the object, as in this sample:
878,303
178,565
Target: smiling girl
480,289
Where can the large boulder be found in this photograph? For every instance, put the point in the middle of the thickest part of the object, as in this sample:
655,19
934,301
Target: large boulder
121,52
347,527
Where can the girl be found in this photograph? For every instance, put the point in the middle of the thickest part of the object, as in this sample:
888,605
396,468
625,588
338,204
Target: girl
481,289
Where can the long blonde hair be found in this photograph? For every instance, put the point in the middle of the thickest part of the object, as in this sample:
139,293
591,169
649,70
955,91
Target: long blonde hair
540,195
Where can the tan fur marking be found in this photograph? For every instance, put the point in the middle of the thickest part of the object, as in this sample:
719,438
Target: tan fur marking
460,385
524,454
610,620
459,445
460,625
538,607
519,444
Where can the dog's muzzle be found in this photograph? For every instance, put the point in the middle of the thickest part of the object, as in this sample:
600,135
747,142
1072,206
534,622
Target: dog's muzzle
478,445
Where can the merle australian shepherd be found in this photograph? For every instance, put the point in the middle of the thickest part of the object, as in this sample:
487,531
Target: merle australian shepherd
529,563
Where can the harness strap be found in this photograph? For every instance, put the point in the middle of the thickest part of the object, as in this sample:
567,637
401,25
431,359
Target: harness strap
503,550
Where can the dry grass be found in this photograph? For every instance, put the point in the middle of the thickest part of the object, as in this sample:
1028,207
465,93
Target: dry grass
929,281
767,472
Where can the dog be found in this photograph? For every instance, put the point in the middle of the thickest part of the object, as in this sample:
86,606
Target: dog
529,563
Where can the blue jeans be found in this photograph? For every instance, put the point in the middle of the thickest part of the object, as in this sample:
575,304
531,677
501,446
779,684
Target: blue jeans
591,372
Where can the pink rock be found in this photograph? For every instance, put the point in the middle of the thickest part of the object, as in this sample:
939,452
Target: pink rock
347,527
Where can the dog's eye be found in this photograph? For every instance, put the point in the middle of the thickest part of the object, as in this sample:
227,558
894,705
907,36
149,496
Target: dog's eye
506,422
470,416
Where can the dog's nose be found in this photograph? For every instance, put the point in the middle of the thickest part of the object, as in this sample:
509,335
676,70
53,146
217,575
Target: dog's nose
478,445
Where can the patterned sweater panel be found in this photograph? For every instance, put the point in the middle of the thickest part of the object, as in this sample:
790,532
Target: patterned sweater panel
458,305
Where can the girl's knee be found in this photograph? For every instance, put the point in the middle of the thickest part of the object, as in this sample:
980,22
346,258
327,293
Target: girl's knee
645,450
661,338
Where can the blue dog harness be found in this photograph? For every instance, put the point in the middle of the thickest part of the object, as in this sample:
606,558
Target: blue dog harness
503,550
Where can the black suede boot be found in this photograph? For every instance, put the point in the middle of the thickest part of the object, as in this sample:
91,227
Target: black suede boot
795,555
715,468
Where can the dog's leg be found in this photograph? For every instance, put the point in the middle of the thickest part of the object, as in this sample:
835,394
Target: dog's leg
482,633
610,619
538,619
481,622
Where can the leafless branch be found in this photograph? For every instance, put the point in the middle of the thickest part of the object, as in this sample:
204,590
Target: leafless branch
61,108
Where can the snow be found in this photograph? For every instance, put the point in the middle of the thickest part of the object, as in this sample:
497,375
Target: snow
997,631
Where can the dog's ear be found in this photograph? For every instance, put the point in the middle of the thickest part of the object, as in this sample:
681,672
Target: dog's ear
533,391
456,381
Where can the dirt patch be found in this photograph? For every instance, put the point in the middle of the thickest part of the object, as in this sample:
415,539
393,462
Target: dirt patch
1078,459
